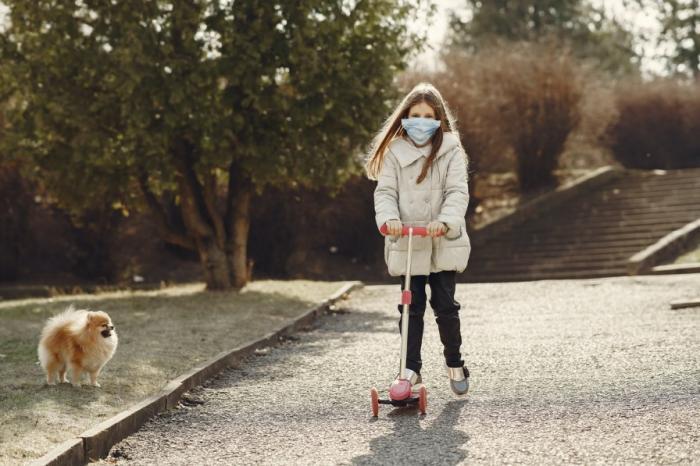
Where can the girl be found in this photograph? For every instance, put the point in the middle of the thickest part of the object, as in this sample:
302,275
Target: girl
421,171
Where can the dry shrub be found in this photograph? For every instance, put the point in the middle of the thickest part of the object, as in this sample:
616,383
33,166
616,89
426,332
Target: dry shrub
459,83
517,103
658,125
535,93
583,150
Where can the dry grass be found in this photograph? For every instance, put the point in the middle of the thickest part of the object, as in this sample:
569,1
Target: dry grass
162,334
499,193
691,255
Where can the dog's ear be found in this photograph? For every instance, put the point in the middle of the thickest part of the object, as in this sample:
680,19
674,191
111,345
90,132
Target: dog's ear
90,316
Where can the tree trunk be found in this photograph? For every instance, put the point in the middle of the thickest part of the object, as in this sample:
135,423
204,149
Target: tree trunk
201,218
238,223
238,256
211,255
214,264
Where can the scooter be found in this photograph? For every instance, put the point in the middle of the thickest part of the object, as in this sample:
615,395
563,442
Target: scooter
402,393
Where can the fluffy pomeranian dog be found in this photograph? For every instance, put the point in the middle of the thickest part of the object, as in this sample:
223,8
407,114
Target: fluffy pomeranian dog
79,340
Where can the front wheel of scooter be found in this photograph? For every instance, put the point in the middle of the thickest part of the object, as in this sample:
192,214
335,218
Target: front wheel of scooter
375,402
422,400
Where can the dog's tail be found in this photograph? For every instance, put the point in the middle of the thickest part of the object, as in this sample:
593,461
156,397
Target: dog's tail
70,316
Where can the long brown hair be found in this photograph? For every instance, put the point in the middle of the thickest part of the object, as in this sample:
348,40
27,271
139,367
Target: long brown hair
391,129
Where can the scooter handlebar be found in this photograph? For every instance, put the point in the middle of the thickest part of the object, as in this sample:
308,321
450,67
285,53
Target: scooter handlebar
417,231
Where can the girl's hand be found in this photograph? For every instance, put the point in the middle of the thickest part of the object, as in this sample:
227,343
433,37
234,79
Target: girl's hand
394,227
436,228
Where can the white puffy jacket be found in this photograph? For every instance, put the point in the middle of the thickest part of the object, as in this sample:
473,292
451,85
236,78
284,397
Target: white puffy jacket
443,195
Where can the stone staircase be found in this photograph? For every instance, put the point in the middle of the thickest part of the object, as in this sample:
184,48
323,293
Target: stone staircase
593,234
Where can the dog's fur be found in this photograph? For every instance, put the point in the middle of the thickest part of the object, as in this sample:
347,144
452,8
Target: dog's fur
79,340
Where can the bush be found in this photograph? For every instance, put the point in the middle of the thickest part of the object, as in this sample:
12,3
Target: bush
516,104
308,232
302,232
460,85
535,92
39,241
15,204
657,126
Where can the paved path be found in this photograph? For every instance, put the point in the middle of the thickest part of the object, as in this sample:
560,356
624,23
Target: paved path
588,371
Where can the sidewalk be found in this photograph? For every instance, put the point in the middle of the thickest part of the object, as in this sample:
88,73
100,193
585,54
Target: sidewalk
573,371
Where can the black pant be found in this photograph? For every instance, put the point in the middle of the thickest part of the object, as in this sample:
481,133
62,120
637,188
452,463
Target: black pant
446,310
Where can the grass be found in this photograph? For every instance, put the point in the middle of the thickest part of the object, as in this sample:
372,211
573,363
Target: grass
161,333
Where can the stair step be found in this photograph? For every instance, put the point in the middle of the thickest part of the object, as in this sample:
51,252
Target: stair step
535,255
544,242
607,211
542,266
560,249
595,237
560,275
641,225
606,216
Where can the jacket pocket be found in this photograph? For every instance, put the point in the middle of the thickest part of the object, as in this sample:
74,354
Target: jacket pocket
451,235
452,253
396,255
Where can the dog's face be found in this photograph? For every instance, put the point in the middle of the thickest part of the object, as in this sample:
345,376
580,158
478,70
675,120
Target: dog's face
99,321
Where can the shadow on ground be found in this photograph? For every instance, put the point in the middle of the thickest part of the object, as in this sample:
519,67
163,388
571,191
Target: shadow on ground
410,443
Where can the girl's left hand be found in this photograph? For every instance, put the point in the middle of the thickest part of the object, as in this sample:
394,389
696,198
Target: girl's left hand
435,228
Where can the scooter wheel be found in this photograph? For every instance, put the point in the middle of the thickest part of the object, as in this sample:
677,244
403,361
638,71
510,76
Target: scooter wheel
375,402
422,400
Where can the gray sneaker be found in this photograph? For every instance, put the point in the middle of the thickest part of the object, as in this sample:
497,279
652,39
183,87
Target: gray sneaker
459,379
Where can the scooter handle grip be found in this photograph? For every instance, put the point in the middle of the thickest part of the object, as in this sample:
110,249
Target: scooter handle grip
417,231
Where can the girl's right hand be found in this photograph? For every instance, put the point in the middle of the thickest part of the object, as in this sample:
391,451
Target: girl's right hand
394,227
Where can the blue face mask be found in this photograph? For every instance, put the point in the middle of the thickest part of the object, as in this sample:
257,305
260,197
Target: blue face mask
420,129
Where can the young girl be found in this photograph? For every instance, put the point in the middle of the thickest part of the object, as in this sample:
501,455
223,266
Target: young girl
421,171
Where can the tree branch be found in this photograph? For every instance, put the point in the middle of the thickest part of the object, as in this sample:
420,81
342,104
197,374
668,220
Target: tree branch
192,200
166,230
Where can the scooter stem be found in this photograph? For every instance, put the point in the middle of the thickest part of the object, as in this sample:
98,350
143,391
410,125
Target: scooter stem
406,302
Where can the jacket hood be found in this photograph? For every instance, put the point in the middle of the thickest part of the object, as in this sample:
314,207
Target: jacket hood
406,153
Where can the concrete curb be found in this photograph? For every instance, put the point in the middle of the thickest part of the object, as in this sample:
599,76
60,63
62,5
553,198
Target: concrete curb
644,260
685,304
691,267
545,203
97,441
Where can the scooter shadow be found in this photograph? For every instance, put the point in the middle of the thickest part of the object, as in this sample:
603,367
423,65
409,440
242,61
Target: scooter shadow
409,443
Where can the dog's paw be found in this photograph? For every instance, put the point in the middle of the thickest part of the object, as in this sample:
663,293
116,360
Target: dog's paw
96,384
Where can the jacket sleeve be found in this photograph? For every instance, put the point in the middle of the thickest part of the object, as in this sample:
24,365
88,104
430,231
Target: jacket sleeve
454,205
386,194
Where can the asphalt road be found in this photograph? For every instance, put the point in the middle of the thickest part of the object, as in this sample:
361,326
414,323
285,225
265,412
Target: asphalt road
575,371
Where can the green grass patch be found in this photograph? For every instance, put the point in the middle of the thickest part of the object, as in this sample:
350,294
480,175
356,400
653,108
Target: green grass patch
161,333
